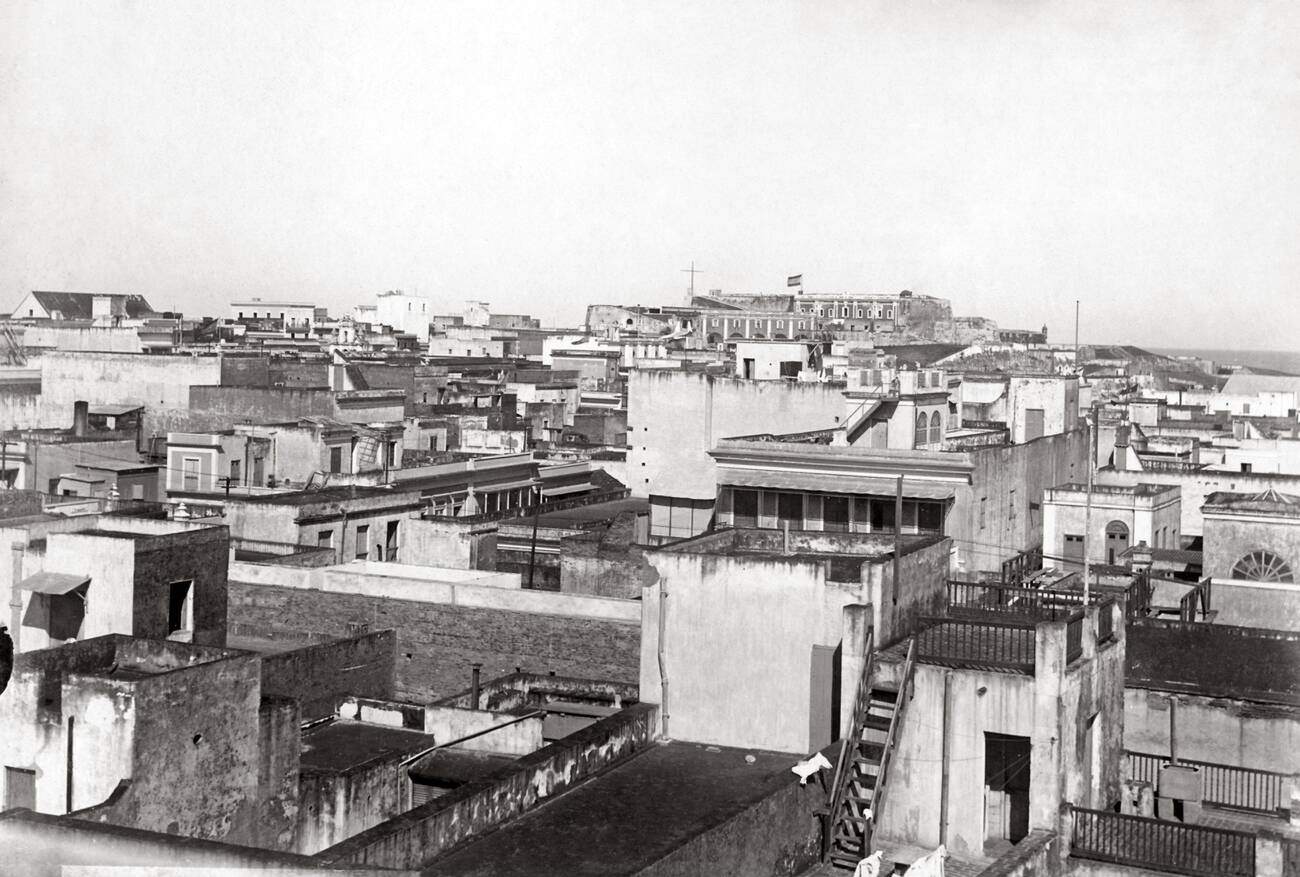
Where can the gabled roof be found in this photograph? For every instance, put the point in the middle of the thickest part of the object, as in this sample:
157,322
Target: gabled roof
1268,502
1251,385
80,305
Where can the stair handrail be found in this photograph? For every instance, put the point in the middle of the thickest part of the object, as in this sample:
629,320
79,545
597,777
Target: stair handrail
895,722
843,765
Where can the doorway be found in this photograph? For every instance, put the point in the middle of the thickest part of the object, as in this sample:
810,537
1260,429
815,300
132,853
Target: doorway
180,608
1006,787
1116,541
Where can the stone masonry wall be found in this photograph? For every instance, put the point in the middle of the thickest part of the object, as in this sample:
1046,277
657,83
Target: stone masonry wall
438,643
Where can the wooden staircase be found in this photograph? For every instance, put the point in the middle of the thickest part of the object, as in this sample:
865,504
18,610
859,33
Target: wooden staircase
857,792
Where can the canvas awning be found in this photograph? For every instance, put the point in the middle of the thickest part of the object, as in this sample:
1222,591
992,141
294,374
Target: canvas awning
505,485
113,410
854,484
52,583
982,392
565,489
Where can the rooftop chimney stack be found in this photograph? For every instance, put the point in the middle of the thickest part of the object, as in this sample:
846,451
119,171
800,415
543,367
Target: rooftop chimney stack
80,418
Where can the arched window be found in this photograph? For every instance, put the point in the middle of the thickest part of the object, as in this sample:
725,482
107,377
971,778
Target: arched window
936,428
1262,566
922,428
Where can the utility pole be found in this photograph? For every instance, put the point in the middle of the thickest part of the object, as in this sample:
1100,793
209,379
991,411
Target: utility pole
692,271
1076,336
532,546
1087,505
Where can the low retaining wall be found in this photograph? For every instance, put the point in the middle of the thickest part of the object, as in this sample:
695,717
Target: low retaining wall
1038,854
417,836
779,836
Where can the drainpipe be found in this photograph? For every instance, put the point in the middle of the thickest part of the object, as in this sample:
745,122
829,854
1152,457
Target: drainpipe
663,671
474,685
1173,731
898,537
944,757
15,597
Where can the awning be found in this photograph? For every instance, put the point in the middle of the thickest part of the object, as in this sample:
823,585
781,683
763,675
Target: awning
52,583
505,485
854,484
113,410
565,489
982,392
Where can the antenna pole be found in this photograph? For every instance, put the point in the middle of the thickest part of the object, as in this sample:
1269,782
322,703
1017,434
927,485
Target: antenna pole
692,271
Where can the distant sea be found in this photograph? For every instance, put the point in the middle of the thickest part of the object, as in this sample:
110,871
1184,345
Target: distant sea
1278,360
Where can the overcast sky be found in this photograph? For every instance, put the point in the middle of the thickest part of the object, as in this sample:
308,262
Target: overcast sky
1009,156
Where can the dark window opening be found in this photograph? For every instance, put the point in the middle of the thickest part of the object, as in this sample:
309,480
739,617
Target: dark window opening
835,514
744,508
180,610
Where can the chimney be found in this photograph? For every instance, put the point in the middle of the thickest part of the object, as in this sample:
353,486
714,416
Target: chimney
80,418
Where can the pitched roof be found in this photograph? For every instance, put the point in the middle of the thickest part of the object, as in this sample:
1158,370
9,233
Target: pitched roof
1250,385
81,305
1269,501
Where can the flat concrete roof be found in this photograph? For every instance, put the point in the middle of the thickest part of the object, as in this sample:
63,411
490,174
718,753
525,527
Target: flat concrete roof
344,744
453,767
627,818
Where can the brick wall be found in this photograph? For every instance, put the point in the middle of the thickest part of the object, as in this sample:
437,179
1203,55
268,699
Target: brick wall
438,643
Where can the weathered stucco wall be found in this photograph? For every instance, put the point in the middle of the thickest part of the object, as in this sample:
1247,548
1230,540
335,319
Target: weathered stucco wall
50,842
1228,539
476,807
318,676
1051,709
201,721
1235,732
1011,480
674,418
449,544
737,638
160,383
1196,486
779,836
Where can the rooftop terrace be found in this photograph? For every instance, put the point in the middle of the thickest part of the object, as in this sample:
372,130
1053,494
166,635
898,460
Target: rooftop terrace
630,816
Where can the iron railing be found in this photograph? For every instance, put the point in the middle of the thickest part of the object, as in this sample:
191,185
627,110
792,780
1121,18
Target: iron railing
1222,785
962,642
1178,847
1014,569
1040,604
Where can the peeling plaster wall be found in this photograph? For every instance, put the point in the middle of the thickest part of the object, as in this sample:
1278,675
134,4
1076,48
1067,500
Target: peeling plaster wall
432,828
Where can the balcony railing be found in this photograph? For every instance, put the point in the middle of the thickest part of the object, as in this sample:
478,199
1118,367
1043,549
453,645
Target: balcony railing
961,642
1040,604
1222,785
1178,847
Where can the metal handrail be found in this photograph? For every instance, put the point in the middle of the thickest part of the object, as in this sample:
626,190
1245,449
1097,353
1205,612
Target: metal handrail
895,722
840,781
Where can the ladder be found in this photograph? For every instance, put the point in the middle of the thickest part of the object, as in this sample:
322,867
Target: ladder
857,794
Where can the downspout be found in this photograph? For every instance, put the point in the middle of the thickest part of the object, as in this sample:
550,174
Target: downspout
944,757
663,670
15,597
898,538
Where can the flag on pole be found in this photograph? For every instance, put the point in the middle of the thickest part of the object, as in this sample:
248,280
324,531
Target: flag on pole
796,280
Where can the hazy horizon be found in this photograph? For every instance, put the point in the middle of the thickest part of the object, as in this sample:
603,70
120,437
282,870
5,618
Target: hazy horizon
1009,157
